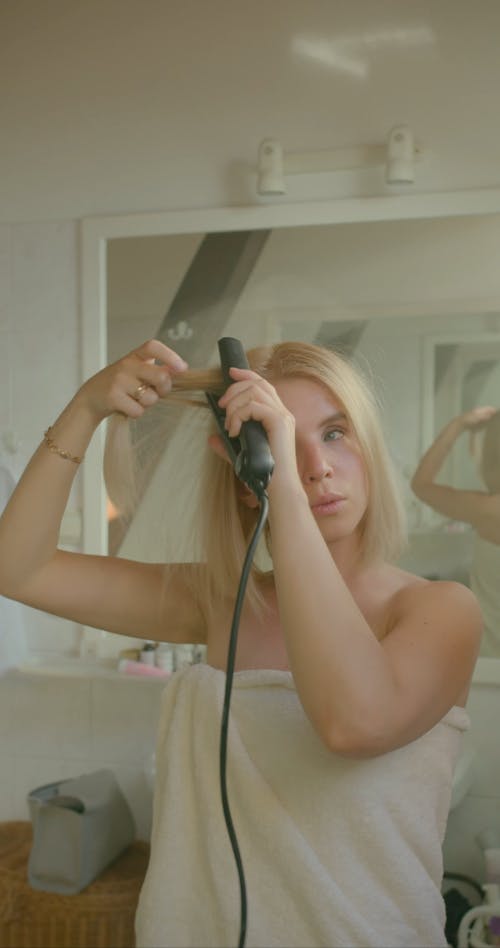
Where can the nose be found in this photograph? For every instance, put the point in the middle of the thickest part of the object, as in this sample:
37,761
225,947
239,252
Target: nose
315,466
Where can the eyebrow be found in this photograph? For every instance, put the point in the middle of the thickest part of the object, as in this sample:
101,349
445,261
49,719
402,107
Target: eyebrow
333,419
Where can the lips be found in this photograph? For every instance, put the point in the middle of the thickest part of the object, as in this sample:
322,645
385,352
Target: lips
328,503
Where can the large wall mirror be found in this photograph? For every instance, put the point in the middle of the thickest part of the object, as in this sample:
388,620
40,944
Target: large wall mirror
409,287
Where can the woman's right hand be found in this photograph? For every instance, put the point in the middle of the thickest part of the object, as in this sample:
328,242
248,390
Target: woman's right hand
477,418
132,384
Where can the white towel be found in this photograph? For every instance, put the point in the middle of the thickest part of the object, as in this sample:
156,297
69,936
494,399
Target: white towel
13,648
336,852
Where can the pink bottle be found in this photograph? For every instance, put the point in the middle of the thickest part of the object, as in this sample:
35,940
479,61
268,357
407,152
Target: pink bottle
141,668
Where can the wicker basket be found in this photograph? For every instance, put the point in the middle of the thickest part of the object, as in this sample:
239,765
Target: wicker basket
101,916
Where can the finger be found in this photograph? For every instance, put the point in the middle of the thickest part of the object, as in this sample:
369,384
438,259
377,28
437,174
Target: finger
252,410
126,405
153,350
251,382
238,407
144,394
237,372
237,390
155,376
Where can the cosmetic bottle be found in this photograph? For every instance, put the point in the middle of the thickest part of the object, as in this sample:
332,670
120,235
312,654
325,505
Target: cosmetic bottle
147,655
164,657
489,841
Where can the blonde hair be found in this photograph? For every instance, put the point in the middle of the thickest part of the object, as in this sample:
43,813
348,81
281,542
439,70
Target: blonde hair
225,523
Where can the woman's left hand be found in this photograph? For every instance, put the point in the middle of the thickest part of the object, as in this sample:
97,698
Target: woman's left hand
253,398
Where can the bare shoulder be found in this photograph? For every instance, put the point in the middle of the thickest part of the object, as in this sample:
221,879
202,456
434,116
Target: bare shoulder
417,592
443,608
432,640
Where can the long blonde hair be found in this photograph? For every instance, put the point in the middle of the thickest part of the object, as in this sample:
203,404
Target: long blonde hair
224,522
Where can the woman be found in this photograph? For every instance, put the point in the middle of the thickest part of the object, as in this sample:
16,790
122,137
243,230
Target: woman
479,508
351,675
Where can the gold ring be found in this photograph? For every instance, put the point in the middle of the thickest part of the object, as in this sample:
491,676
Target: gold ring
140,391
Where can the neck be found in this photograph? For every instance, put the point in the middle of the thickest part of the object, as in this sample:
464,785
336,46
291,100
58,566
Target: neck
347,556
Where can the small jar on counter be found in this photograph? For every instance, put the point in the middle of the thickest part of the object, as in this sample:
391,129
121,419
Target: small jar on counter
164,657
148,651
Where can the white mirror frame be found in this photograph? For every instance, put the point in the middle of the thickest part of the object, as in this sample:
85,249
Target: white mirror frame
96,231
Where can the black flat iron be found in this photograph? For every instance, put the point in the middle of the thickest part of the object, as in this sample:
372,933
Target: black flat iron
249,453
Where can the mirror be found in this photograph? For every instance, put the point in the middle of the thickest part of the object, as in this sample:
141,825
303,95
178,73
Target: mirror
464,372
414,299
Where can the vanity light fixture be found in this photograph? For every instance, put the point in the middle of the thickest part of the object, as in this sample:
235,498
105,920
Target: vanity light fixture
400,166
270,168
397,155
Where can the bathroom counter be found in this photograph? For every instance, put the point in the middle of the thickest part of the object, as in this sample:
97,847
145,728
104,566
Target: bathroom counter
72,667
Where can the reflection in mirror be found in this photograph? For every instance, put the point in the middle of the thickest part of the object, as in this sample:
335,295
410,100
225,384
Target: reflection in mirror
459,476
415,302
465,374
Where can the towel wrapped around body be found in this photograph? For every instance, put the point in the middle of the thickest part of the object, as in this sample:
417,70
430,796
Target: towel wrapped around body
336,851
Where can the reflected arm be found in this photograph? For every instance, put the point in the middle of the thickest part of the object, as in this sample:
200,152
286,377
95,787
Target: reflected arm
443,498
469,506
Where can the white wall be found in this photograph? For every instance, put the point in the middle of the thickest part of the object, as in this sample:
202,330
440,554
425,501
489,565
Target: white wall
111,106
53,728
116,106
39,360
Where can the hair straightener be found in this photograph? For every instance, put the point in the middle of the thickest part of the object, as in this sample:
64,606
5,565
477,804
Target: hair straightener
250,454
253,464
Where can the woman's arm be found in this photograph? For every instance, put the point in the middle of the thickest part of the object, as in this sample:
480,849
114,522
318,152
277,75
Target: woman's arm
468,506
363,696
105,592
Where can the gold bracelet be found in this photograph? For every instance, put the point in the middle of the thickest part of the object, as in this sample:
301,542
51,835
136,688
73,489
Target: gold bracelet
52,446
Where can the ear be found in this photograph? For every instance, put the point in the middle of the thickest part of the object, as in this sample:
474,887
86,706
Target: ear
246,496
216,443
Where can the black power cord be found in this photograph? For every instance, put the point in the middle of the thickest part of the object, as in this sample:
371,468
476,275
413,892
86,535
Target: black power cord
264,507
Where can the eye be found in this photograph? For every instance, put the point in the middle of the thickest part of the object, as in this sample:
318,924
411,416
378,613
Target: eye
333,434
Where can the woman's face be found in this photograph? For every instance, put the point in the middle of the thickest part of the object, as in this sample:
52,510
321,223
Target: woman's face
329,459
